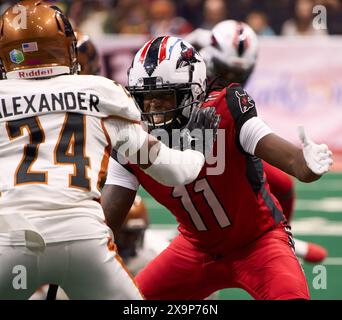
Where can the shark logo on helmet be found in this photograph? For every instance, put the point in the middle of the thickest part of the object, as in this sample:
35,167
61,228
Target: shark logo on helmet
188,56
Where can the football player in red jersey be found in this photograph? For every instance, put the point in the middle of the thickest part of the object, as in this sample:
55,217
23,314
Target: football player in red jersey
230,51
232,229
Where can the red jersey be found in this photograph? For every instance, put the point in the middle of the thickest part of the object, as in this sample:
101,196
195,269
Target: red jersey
219,213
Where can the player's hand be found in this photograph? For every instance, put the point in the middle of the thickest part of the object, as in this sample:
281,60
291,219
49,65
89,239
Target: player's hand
318,157
201,130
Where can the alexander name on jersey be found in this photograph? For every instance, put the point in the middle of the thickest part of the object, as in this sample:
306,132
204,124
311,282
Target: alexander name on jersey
52,102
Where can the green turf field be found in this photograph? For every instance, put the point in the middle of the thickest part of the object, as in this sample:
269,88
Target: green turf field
318,218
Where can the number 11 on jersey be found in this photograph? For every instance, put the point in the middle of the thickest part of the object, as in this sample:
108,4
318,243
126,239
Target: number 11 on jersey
203,186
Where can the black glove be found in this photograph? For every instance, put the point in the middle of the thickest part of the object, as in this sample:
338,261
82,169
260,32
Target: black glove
201,130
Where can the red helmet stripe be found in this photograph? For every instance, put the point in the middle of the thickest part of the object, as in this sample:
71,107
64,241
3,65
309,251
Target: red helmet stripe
162,52
237,34
240,42
143,53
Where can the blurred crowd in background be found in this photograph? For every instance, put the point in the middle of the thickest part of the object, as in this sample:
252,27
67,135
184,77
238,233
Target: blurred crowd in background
179,17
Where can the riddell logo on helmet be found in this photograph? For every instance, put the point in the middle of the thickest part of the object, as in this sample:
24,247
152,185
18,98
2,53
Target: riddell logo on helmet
36,73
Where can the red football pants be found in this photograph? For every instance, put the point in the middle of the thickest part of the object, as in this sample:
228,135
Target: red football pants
266,269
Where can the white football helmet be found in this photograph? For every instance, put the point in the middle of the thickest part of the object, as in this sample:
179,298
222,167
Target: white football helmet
233,51
171,65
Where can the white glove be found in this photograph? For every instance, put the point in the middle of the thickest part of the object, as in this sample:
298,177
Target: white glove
318,157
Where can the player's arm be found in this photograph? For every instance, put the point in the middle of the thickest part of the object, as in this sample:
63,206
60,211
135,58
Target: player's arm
306,165
256,138
118,193
167,166
116,202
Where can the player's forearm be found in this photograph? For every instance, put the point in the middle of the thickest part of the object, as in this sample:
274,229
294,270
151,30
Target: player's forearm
167,166
285,156
116,202
299,168
173,167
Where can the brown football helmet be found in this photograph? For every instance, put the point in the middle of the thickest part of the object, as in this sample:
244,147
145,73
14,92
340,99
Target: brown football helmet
87,55
36,40
131,236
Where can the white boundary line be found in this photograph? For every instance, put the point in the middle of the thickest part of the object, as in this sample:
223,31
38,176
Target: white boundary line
332,261
329,261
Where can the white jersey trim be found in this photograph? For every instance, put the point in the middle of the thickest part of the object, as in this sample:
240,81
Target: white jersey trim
251,132
118,175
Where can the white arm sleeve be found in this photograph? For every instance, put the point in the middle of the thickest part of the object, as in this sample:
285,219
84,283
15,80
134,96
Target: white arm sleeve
251,132
125,135
120,176
171,167
174,167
